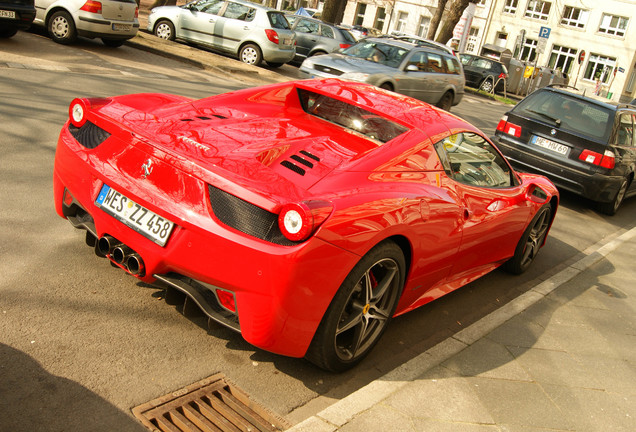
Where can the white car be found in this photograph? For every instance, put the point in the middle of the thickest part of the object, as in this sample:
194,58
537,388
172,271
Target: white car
114,21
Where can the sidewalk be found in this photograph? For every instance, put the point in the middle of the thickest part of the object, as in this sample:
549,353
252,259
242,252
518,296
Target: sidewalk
560,358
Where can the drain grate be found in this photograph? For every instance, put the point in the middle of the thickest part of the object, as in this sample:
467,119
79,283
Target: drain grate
213,404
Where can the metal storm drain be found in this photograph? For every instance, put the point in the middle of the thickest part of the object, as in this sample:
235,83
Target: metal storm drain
212,404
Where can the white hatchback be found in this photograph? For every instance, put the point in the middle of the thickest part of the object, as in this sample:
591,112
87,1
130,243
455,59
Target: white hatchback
114,21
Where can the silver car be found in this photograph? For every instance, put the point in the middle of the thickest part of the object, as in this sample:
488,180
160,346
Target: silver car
425,73
252,32
114,21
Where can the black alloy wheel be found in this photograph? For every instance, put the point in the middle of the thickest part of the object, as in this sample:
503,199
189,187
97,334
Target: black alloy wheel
530,242
360,311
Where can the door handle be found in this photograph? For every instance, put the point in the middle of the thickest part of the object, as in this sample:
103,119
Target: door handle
467,214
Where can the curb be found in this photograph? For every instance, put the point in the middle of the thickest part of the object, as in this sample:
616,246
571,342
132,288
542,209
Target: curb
341,412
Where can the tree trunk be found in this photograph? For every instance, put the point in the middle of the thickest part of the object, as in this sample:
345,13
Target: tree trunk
432,29
333,11
456,10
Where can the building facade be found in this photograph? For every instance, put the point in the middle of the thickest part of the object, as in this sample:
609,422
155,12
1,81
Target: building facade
593,43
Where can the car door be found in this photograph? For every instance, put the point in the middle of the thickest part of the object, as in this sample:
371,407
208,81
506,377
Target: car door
470,73
413,80
623,146
198,20
235,25
307,36
493,202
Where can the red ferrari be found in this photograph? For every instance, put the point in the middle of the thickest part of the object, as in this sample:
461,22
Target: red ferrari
304,215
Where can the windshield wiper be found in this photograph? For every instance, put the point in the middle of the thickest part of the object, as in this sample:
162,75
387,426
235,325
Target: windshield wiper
544,115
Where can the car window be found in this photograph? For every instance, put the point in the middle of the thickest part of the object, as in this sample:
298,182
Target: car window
347,36
239,12
419,60
305,26
277,20
625,134
482,63
327,31
452,65
469,159
209,6
350,116
389,55
435,64
465,59
571,114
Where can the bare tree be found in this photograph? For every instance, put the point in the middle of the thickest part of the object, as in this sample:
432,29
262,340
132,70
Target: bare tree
437,17
454,14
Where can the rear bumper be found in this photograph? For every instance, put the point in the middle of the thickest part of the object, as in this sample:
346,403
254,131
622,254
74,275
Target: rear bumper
281,292
594,186
91,27
23,18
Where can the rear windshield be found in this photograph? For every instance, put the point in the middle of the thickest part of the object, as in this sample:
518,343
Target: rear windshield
278,20
350,116
568,113
347,36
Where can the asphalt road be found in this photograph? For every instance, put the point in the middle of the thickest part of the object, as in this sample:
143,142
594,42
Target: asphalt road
81,342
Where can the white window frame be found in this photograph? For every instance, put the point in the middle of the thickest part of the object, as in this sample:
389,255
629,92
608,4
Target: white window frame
563,54
402,20
531,46
536,9
423,25
361,10
380,17
611,25
575,17
510,6
597,63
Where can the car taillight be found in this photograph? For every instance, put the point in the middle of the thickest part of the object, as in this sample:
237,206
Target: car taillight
92,6
272,35
503,75
508,128
79,107
606,160
137,12
297,221
343,46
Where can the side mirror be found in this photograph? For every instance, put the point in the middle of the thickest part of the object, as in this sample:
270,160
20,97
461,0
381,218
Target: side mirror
412,68
536,194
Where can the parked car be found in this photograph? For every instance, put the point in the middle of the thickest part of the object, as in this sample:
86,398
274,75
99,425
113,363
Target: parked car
114,21
425,42
357,31
424,73
15,15
248,30
314,37
583,145
484,73
302,214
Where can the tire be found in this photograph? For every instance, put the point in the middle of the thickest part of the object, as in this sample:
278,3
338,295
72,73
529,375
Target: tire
446,102
164,29
61,28
8,32
386,86
113,43
317,53
530,242
274,65
358,316
486,85
251,54
610,208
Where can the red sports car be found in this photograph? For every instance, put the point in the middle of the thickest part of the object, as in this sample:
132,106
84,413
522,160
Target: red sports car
304,215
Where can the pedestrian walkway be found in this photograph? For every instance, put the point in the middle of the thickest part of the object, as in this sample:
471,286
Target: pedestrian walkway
561,357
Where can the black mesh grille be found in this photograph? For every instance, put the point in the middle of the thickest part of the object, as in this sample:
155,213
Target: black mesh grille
89,135
246,217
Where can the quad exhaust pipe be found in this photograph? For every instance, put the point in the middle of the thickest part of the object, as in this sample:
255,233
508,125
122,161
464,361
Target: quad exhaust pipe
120,254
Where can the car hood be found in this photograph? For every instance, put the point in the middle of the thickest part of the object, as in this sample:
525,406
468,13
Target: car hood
278,156
344,64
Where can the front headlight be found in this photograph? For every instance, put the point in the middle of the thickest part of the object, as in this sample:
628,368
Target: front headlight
355,76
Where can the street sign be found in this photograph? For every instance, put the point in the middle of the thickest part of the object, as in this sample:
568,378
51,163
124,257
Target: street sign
544,32
581,56
541,43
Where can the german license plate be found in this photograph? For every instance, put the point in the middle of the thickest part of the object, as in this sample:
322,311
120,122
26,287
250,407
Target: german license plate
287,41
7,14
137,217
122,27
550,145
